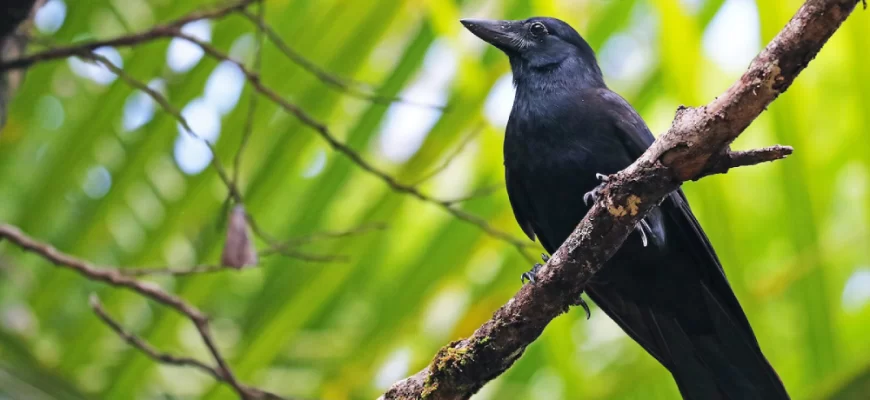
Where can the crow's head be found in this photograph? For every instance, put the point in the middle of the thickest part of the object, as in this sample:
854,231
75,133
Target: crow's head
545,53
538,41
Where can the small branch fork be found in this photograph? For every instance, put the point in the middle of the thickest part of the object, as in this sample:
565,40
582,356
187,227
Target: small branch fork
113,277
173,30
125,277
694,146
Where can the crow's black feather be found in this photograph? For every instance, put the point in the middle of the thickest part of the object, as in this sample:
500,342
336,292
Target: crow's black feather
671,296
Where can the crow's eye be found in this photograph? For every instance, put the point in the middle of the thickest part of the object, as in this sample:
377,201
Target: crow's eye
538,29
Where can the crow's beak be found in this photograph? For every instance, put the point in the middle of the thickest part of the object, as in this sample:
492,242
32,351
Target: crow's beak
501,34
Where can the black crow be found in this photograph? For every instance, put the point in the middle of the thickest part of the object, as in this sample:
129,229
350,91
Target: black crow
665,287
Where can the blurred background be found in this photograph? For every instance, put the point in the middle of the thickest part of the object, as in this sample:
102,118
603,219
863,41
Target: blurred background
96,168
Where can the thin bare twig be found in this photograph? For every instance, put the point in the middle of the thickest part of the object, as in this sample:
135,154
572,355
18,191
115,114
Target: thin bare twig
147,348
285,248
156,32
166,30
172,29
353,155
450,157
324,235
252,106
234,192
348,86
197,270
734,159
275,248
482,192
113,277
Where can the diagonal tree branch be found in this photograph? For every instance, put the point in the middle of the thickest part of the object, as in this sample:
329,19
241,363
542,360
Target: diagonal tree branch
166,30
147,348
156,32
173,30
327,135
692,146
474,133
350,87
232,187
114,277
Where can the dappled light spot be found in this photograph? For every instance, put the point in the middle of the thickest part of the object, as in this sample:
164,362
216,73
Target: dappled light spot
692,6
305,381
125,229
599,340
625,57
179,252
227,335
316,166
484,266
139,107
47,349
406,126
109,151
49,18
488,391
444,311
190,340
165,178
183,55
136,313
145,204
323,344
248,283
94,71
191,154
455,181
243,47
136,14
546,384
41,150
50,113
394,368
93,377
856,293
224,87
63,83
732,49
97,182
18,318
181,382
499,101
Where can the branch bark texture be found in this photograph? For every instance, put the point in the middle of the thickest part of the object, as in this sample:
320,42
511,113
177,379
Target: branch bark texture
695,145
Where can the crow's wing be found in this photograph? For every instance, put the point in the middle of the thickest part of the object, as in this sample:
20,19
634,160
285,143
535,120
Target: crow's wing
523,211
695,327
637,138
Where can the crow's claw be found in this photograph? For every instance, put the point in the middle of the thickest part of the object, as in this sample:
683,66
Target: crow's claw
592,195
530,276
545,257
582,303
643,228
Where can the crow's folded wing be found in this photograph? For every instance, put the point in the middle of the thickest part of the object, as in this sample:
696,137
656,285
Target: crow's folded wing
695,326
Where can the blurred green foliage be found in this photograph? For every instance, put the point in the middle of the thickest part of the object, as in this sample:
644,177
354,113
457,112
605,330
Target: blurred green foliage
83,169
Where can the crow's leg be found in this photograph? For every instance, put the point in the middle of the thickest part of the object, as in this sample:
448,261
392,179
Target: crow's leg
531,277
592,196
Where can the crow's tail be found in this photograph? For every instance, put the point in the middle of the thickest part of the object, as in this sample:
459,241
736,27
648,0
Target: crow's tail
720,361
724,364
